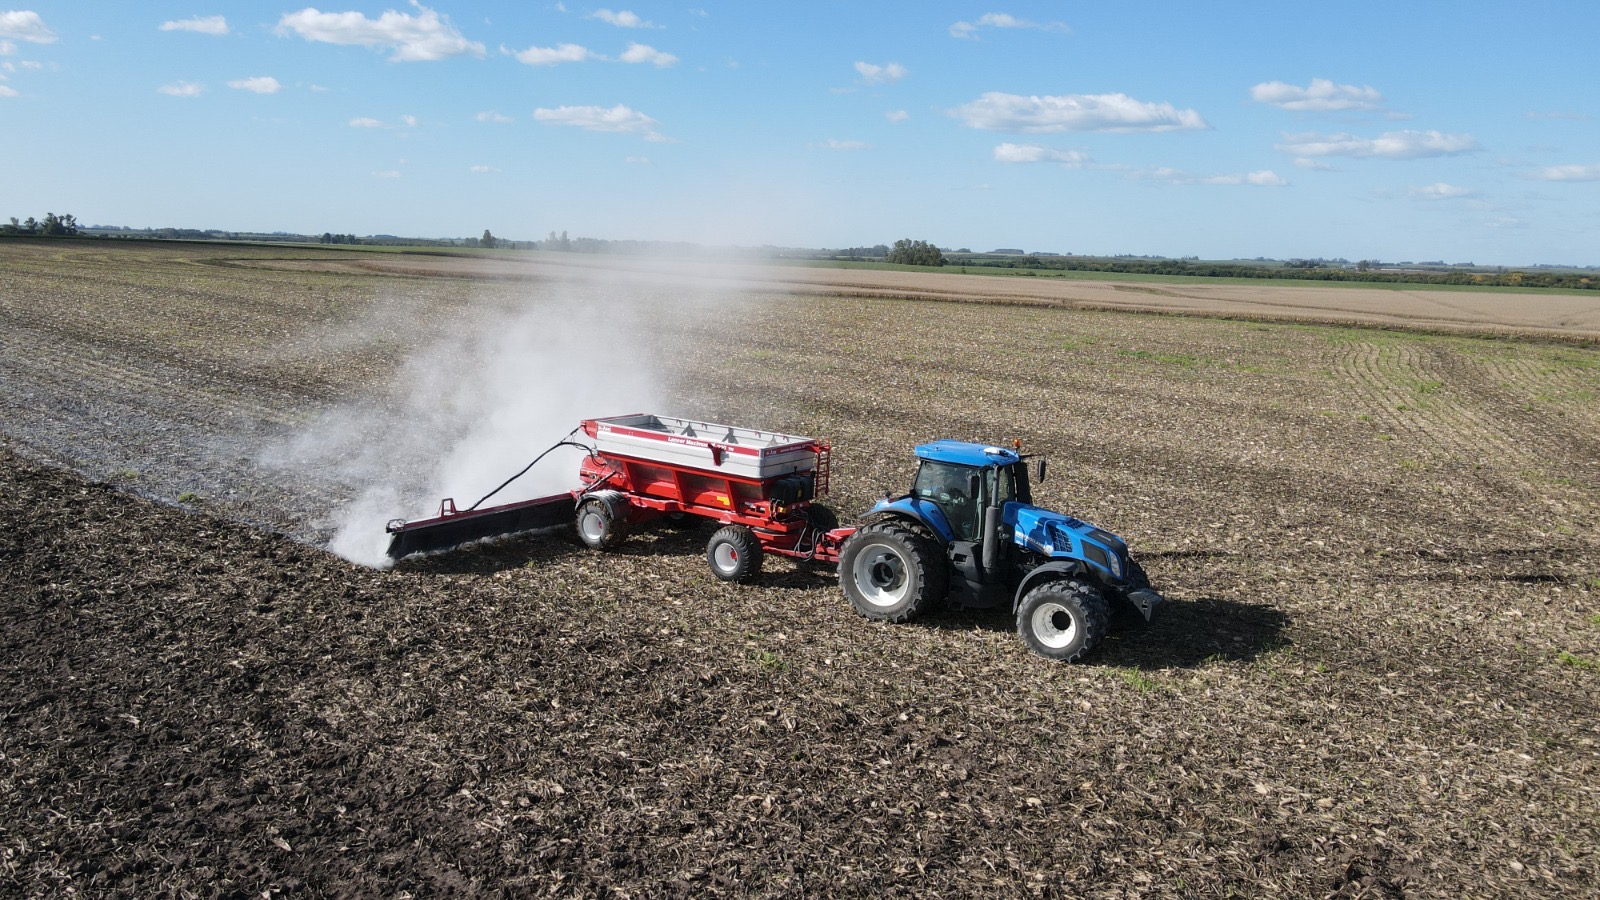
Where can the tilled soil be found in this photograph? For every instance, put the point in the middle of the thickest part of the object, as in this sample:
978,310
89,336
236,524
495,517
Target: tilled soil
1376,675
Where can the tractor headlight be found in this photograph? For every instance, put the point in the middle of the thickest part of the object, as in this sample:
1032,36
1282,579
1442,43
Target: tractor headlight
1114,563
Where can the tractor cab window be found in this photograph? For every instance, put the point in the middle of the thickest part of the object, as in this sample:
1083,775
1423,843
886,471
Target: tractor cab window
1011,482
949,486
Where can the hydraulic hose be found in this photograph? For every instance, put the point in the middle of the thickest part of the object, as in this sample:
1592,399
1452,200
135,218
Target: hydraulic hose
561,443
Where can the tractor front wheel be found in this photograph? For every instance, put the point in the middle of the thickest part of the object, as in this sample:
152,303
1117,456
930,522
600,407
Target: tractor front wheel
892,572
1063,619
734,554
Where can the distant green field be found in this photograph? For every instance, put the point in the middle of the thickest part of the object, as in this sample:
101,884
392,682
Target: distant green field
1177,279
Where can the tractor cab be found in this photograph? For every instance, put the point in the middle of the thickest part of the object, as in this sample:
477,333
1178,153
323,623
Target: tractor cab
962,479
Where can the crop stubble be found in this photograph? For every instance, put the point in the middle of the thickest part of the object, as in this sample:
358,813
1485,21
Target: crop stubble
1377,675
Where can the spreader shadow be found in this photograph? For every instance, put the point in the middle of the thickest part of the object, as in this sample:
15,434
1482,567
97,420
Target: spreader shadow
549,545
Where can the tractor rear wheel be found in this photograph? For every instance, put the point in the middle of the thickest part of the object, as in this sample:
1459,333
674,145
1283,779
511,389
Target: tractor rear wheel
892,572
598,526
1063,619
734,554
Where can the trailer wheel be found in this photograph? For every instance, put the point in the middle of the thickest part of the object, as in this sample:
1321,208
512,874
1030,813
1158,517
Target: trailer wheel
734,554
892,572
597,525
1063,619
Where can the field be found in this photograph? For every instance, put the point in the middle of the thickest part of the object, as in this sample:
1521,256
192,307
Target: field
1377,676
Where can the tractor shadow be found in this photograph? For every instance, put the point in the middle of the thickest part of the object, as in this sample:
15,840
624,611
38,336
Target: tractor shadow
1185,634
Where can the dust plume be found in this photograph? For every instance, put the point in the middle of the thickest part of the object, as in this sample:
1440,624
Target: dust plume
506,381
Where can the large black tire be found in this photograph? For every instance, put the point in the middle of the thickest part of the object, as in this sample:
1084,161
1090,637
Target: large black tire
1137,578
892,571
597,525
734,554
1063,619
821,518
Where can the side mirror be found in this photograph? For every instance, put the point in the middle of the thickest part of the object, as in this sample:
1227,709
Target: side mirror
974,486
1040,479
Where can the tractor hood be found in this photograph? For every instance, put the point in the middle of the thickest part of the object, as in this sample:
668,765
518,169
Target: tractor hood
1060,536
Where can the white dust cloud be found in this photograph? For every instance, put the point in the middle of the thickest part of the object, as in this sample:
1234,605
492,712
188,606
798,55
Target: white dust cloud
473,407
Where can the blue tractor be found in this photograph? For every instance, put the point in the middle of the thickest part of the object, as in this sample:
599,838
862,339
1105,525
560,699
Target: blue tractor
969,533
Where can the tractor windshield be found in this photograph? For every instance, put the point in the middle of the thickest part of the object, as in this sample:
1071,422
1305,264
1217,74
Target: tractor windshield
949,485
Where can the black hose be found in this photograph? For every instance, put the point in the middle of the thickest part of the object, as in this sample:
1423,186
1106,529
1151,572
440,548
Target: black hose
561,443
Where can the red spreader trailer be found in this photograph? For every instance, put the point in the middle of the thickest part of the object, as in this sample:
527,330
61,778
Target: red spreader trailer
761,486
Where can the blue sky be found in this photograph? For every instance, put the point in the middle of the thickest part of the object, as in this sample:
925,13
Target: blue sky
1395,131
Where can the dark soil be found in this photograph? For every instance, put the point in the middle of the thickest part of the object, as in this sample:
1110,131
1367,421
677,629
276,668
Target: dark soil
1378,675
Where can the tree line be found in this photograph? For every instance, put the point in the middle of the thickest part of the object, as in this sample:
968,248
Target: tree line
52,226
907,252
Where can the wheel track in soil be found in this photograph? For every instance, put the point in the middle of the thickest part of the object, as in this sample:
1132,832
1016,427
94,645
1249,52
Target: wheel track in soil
1464,419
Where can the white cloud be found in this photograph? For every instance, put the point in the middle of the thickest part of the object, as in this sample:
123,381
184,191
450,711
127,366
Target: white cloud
424,37
969,30
1391,145
482,170
213,25
1569,173
7,48
832,144
642,53
1033,153
365,122
1261,178
884,74
624,19
1315,165
637,160
181,89
1440,191
260,84
1321,95
618,119
549,56
1164,174
897,116
388,173
25,25
7,91
492,116
1559,116
409,121
995,111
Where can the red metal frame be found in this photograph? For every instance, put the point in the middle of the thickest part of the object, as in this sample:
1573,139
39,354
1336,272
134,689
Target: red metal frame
653,488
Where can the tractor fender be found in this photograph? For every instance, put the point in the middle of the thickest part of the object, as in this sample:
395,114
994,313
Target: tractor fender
1054,570
923,512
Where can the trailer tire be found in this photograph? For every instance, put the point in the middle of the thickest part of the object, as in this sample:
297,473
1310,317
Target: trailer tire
1063,619
597,524
734,553
892,572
